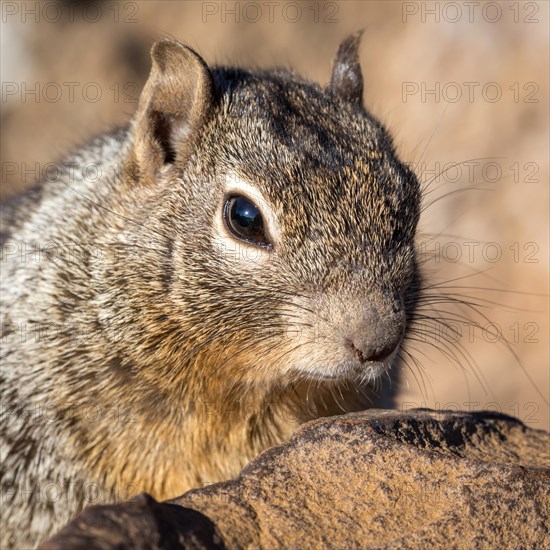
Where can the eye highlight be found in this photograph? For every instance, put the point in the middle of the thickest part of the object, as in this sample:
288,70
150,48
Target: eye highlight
245,221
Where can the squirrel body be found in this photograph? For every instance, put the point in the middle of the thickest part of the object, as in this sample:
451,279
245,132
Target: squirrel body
244,263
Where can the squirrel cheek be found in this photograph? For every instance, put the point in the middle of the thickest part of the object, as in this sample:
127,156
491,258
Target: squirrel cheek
237,253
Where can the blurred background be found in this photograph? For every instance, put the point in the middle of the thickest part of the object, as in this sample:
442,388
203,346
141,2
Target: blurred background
463,88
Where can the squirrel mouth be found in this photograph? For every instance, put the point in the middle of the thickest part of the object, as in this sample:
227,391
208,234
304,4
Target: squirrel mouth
351,370
351,365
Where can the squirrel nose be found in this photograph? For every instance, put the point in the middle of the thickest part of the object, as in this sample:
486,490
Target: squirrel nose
375,334
370,353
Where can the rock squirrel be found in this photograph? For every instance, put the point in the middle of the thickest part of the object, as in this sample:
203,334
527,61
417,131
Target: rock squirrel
242,261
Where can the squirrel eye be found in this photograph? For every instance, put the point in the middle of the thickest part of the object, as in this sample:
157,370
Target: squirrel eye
244,219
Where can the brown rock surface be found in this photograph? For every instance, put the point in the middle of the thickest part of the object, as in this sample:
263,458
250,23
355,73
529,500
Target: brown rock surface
377,479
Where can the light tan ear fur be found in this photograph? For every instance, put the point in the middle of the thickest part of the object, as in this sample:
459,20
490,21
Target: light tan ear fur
175,102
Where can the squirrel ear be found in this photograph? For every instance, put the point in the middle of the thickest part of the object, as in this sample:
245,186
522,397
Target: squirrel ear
347,79
175,102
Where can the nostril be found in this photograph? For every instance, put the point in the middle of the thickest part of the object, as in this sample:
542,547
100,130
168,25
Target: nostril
359,354
383,354
371,354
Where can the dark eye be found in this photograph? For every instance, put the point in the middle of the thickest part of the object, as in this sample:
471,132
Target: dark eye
244,219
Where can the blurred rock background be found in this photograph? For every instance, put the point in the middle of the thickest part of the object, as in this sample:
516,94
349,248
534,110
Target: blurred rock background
455,82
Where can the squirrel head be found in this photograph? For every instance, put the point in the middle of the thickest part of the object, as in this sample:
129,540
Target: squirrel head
288,219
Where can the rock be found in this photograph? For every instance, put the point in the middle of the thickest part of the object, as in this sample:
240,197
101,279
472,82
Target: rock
376,479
